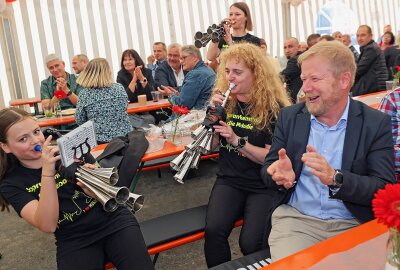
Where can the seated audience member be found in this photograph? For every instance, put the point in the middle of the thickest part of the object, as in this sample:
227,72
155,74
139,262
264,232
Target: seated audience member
159,56
241,22
79,62
328,157
264,47
312,39
387,41
102,101
386,28
303,46
338,36
86,236
198,82
136,79
170,72
347,41
326,38
59,80
291,48
391,55
291,73
244,140
371,72
390,105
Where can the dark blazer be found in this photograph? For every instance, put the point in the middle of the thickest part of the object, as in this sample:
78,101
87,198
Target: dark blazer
165,76
124,78
391,55
371,73
367,162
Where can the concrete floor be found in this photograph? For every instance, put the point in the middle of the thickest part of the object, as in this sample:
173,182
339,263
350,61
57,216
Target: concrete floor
24,247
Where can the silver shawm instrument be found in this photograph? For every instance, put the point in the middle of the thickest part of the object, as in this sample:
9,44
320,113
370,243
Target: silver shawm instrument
214,33
202,143
101,181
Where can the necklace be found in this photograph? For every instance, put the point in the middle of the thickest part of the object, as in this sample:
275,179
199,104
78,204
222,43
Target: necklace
241,109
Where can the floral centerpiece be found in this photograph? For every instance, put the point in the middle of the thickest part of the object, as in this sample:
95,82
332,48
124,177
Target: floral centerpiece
178,112
396,76
60,94
386,207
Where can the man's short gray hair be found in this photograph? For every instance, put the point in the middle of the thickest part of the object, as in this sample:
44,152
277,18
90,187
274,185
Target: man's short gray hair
174,45
192,50
52,57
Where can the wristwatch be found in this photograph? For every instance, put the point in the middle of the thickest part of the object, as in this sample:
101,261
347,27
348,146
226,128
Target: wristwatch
143,81
241,142
337,179
69,93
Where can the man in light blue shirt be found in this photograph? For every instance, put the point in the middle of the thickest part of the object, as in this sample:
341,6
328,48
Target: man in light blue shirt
159,56
328,157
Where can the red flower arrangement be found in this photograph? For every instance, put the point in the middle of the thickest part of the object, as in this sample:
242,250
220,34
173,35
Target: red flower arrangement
386,206
178,111
396,73
60,94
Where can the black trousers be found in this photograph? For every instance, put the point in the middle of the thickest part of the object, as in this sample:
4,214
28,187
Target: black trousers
226,205
125,249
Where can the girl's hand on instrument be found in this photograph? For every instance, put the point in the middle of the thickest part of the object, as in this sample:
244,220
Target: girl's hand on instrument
50,155
87,191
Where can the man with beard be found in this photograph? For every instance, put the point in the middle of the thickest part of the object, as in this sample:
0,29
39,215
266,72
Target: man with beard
328,157
171,73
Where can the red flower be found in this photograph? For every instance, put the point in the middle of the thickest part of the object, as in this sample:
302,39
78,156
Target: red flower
398,68
181,110
386,205
60,94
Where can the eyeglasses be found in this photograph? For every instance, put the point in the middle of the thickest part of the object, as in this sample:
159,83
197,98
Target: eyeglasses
183,58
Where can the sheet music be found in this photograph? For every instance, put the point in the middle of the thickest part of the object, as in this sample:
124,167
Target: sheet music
77,143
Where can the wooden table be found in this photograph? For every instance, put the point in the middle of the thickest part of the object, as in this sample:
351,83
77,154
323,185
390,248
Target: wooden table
373,99
32,102
132,108
343,242
150,106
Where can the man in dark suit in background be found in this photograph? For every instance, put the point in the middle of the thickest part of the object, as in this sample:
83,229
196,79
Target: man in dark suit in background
170,72
371,66
328,157
291,73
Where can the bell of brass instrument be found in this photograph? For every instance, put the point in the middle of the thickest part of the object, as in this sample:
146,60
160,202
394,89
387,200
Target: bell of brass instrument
135,202
214,33
101,182
202,143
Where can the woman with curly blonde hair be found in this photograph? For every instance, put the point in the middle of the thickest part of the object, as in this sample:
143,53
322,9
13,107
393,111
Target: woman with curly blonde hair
244,141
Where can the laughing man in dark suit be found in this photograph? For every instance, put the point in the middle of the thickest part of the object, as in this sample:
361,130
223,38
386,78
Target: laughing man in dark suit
328,157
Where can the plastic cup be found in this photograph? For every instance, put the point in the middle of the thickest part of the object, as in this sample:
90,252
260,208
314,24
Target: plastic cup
389,85
48,111
156,96
142,99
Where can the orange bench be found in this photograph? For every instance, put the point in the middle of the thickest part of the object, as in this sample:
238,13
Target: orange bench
174,230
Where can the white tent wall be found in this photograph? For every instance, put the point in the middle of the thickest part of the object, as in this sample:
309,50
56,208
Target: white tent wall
32,29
